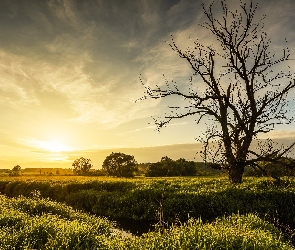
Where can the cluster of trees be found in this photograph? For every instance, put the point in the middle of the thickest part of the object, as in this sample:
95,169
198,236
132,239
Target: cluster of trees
116,164
123,165
169,167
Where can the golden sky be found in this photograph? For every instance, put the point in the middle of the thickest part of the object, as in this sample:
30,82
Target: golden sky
69,77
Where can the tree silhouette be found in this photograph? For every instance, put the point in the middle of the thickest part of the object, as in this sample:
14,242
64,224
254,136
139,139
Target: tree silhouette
237,85
120,165
82,166
16,170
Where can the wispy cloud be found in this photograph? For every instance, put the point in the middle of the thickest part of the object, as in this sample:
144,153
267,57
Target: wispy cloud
279,134
15,83
70,65
154,127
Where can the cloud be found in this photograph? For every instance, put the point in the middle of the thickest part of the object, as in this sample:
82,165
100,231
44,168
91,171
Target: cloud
279,134
15,83
154,127
83,59
94,93
79,62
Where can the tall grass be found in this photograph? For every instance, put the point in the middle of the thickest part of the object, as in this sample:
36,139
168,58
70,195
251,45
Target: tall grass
43,224
234,232
141,198
38,223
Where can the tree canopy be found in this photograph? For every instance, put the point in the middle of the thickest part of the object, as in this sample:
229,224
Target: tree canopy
120,165
82,166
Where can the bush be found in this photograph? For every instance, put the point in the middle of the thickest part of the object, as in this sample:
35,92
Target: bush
169,167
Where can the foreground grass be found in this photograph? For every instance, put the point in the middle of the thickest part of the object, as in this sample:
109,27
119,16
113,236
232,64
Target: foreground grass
233,232
43,224
142,198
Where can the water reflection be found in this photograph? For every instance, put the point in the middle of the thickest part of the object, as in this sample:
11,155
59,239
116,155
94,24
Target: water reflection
134,227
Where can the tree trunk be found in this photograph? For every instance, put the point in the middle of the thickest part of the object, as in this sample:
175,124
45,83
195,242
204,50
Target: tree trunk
236,173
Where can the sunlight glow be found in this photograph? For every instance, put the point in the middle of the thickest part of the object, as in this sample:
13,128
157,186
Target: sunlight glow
54,146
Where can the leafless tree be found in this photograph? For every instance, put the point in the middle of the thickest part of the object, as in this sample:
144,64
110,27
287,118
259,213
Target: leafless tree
244,91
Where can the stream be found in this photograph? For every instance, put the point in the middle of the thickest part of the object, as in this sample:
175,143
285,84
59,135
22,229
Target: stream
134,227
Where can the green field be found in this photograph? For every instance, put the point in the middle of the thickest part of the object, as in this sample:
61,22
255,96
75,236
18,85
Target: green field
68,212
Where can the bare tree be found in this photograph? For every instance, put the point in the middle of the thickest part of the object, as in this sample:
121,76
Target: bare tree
244,91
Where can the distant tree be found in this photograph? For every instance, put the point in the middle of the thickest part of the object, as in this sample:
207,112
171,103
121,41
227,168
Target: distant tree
120,165
169,167
82,166
238,84
142,167
156,169
187,168
98,172
16,170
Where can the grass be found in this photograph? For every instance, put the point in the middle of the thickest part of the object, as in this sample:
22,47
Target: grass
234,216
39,223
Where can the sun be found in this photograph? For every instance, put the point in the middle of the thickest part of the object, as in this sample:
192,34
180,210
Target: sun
54,146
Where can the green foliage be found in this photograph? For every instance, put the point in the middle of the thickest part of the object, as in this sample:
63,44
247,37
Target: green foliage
43,224
234,232
141,198
82,166
120,165
168,167
97,172
40,223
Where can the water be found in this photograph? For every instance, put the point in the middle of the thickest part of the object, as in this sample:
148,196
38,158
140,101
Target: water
134,227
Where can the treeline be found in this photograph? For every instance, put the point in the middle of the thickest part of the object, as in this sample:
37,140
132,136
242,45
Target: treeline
122,165
181,167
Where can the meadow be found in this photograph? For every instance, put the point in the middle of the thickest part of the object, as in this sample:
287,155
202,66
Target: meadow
70,212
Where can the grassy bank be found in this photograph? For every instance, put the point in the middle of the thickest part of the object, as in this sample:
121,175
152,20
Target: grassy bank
38,223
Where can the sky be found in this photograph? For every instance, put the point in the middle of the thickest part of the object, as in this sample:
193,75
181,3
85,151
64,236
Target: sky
70,76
